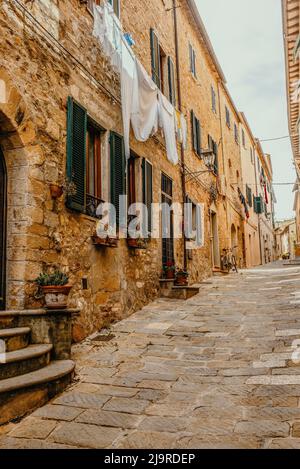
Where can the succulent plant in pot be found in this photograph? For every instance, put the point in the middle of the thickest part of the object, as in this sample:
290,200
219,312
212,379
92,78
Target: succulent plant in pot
56,289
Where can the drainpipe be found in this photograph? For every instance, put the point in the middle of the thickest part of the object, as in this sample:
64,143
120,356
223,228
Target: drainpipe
183,183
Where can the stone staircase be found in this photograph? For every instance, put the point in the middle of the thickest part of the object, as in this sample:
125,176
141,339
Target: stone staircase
30,374
168,289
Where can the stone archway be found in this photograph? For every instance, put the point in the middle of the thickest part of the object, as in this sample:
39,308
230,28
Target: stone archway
17,141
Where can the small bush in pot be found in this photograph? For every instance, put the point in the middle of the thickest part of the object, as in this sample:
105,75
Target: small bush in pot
181,278
55,287
169,270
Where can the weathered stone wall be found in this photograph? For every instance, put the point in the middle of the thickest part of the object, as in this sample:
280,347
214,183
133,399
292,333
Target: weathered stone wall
40,75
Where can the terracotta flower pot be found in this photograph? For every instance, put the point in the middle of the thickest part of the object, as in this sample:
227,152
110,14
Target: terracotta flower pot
56,296
181,281
56,191
170,274
136,243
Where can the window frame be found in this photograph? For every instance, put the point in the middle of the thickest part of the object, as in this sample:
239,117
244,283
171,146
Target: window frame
90,6
196,134
213,99
146,164
243,138
228,118
172,82
97,163
236,134
192,60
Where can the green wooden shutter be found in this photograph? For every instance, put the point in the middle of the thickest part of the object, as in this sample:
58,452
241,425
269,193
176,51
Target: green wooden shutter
76,154
117,171
194,131
147,184
216,164
172,86
198,134
258,205
155,58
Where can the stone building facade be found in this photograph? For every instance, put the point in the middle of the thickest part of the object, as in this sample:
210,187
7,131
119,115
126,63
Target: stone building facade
51,64
286,239
250,190
291,37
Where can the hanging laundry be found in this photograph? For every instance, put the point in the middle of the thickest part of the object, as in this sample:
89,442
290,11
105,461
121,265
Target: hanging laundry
266,193
144,116
243,201
181,128
128,81
107,30
167,124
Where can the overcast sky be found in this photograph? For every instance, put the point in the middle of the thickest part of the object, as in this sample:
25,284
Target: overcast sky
247,37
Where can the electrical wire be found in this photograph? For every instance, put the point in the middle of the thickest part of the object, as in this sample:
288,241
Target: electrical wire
277,138
58,44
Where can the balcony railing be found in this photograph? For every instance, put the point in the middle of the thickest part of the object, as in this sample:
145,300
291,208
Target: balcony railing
92,203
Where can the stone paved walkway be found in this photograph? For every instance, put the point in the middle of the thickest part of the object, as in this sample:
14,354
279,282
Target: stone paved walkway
213,372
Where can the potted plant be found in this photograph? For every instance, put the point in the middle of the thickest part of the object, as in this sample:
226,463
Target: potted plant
137,243
56,191
55,288
105,242
169,270
181,278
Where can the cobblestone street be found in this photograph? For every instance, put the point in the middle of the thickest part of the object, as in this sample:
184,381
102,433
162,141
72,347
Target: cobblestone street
215,371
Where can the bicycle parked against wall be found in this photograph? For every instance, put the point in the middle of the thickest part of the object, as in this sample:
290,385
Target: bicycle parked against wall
229,260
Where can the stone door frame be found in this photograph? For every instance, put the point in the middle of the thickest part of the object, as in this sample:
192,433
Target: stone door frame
3,218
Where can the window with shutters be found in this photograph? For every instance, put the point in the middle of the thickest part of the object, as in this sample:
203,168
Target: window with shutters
196,134
251,155
93,168
131,179
117,172
236,134
192,57
212,145
213,100
172,82
83,160
258,205
158,62
243,138
227,113
249,196
116,6
147,188
191,214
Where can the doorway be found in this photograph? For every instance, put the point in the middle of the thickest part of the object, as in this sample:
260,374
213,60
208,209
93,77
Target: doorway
167,221
215,240
3,184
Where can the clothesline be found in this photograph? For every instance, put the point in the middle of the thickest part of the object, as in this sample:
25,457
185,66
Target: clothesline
143,105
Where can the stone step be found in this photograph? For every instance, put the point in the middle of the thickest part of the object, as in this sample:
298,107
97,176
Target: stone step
166,284
180,293
15,339
23,394
219,272
24,360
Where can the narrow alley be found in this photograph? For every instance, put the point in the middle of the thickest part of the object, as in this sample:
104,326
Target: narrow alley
217,371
